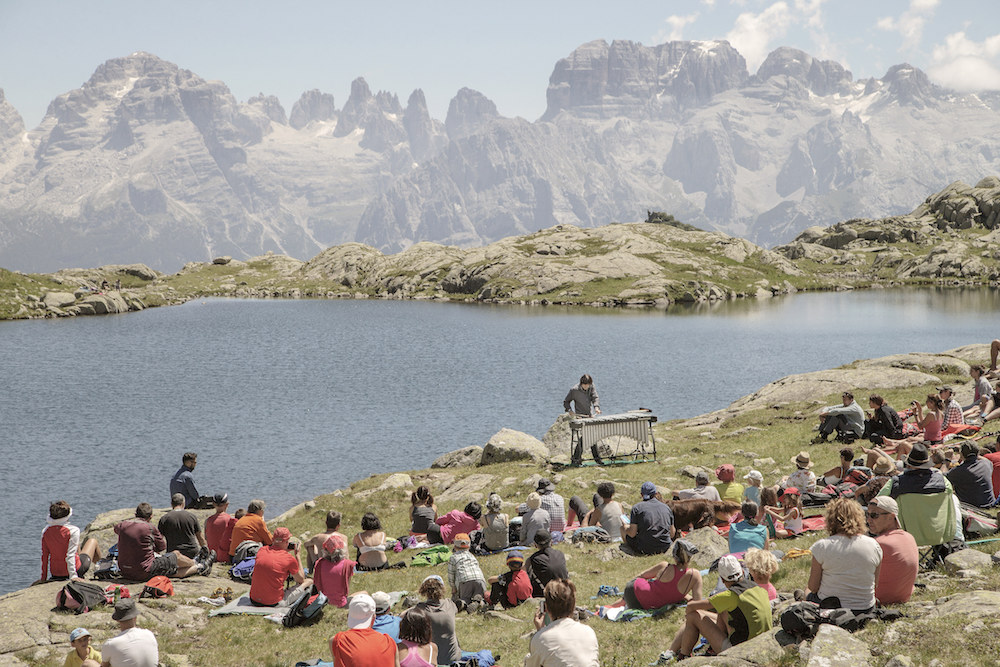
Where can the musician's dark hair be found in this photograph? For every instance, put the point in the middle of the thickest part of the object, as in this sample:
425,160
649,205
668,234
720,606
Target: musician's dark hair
605,490
189,456
333,520
422,496
586,379
370,522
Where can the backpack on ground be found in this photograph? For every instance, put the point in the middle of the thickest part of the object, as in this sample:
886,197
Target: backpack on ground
590,534
243,570
115,592
308,608
801,619
158,587
246,549
107,568
440,553
80,596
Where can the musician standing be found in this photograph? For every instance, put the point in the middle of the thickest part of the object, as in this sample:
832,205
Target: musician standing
583,397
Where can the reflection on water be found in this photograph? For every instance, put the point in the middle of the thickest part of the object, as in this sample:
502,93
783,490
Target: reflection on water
288,399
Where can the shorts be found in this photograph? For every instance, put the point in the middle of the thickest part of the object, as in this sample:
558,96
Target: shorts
80,571
165,565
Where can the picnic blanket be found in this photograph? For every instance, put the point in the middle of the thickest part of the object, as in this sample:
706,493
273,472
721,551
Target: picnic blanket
242,605
624,615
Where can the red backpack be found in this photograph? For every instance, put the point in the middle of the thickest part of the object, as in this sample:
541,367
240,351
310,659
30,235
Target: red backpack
115,592
158,587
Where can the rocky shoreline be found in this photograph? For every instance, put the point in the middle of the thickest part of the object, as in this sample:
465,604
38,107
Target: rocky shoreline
29,629
949,240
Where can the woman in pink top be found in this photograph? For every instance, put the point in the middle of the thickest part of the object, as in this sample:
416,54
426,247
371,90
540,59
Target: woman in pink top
665,583
929,422
445,528
332,573
415,648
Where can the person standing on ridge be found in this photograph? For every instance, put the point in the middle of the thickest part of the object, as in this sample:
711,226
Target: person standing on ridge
584,398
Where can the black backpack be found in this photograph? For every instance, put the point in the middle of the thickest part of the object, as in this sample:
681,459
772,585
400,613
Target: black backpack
308,608
81,596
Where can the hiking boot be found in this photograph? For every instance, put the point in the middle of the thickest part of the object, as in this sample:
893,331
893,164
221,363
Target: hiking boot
818,439
665,658
799,595
473,607
205,565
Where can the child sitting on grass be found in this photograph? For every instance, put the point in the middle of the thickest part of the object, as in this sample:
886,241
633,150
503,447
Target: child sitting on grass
762,566
791,502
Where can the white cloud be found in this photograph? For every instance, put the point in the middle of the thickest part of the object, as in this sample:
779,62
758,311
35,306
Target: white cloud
910,24
675,31
752,34
966,65
708,3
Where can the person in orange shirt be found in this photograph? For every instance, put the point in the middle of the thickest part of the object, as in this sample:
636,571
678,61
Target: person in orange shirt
251,527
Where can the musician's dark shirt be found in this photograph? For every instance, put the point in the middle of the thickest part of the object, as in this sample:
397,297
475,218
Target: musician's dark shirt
586,402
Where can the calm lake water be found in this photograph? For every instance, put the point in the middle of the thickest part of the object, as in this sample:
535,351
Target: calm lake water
285,400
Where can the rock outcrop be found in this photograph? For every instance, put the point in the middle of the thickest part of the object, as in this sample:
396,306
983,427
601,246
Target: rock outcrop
509,445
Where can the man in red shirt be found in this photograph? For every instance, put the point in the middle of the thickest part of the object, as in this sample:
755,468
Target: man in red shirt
900,558
274,564
61,546
512,587
139,541
219,528
360,645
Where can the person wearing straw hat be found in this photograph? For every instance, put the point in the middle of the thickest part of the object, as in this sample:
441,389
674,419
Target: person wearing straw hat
133,646
360,645
883,469
83,653
900,557
803,478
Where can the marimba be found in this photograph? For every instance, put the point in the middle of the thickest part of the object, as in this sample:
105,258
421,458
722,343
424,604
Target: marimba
637,426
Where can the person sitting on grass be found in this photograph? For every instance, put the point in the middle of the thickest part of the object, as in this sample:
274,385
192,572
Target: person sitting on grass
882,421
513,586
608,515
748,534
845,565
803,478
982,395
415,647
441,611
250,527
953,420
139,542
847,419
930,423
385,622
370,544
900,557
754,480
423,511
563,641
496,525
465,577
739,613
837,474
728,488
768,500
314,545
361,645
333,571
762,565
536,520
972,479
274,564
83,653
665,583
701,489
219,528
444,528
545,564
791,517
62,553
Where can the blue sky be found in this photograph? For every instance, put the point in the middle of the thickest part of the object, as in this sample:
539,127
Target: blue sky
504,50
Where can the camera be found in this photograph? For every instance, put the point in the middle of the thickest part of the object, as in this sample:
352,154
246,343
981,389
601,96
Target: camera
292,546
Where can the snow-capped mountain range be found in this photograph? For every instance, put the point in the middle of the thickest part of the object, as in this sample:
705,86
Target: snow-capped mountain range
147,162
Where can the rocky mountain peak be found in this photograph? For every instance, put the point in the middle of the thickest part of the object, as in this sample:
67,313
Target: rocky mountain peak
312,106
601,80
822,77
269,106
468,112
909,85
359,105
425,135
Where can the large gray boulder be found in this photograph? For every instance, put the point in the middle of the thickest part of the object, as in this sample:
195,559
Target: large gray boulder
973,605
836,647
557,438
460,458
710,545
58,299
509,445
765,649
474,487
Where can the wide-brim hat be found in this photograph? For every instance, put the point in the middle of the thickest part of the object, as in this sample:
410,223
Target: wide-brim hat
919,457
803,460
545,485
883,466
360,612
125,609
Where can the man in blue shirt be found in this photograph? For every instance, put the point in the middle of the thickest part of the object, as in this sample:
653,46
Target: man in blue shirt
183,480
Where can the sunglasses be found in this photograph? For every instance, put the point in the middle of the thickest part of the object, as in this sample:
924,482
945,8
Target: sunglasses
875,515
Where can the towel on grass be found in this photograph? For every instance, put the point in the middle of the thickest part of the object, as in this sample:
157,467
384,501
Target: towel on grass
242,605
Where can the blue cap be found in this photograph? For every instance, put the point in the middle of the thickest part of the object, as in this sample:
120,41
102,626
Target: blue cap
648,490
79,632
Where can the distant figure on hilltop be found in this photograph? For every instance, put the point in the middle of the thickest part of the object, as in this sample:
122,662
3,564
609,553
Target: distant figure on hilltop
183,482
583,397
